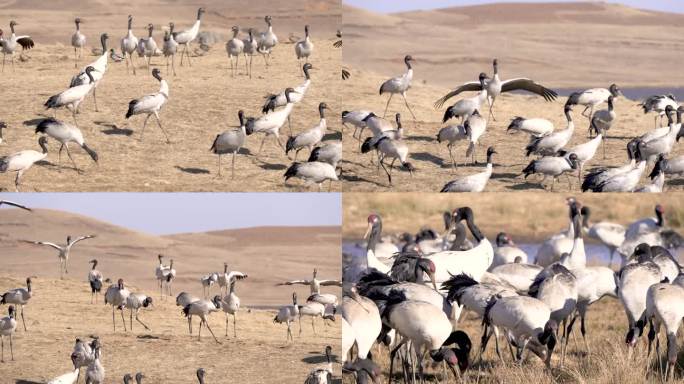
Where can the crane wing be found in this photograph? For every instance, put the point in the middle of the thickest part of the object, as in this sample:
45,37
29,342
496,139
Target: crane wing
471,86
528,85
293,282
53,245
81,238
14,204
331,282
26,42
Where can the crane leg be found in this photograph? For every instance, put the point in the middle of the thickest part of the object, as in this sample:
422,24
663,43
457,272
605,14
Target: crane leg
3,62
144,125
59,156
187,52
251,57
393,354
2,355
408,106
289,125
190,325
219,165
280,144
113,318
389,177
11,348
139,321
232,170
123,320
491,107
75,58
387,106
300,324
131,319
162,128
230,58
235,325
22,317
313,325
66,145
210,331
185,46
451,155
199,332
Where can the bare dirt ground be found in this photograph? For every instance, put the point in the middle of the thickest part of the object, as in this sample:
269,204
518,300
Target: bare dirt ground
527,217
60,310
203,102
555,44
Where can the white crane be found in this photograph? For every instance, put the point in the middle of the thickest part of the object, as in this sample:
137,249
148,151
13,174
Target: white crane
536,127
116,296
612,235
592,98
309,138
10,45
400,85
151,104
65,133
475,182
100,65
551,143
63,251
134,302
22,161
147,47
553,166
95,281
234,48
8,325
230,304
288,314
507,252
186,37
78,41
250,49
202,309
170,48
268,40
18,296
528,320
129,44
73,96
665,303
495,86
230,141
330,152
315,283
304,48
270,123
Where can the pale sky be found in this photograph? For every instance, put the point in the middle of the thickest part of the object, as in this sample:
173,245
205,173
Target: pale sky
387,6
168,213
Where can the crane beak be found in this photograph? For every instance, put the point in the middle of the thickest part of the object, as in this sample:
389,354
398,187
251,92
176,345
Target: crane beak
368,231
432,279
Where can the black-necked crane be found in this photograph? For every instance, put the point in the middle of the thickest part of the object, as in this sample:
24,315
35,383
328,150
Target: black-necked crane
452,134
657,104
647,230
356,119
268,40
634,281
670,112
428,330
529,322
314,284
8,325
67,378
169,274
13,204
151,104
551,143
309,138
115,56
129,44
100,65
186,37
72,97
585,152
202,309
95,373
602,121
230,142
207,282
612,235
376,249
553,166
363,317
65,133
170,48
147,47
392,149
411,266
21,162
304,48
134,302
475,126
466,107
225,278
250,49
314,309
95,281
83,354
234,48
536,127
322,374
159,273
138,378
116,296
185,298
591,98
495,86
475,182
656,184
274,100
400,85
649,150
78,41
63,251
519,275
10,45
19,297
288,314
670,167
329,152
200,375
270,123
315,172
230,304
620,179
669,266
507,251
665,304
366,371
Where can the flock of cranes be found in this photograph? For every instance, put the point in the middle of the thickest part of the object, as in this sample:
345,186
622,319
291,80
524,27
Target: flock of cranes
408,292
277,109
120,297
555,156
